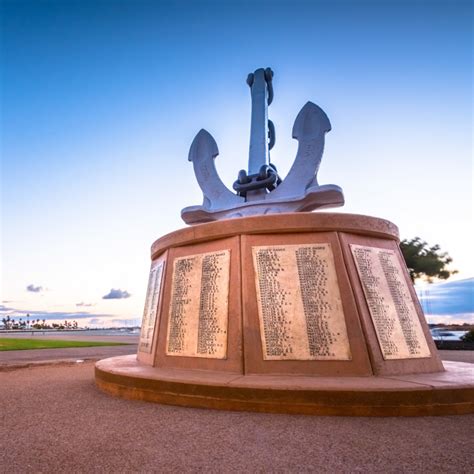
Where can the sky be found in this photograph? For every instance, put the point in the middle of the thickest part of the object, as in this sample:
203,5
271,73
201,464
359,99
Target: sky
100,101
450,302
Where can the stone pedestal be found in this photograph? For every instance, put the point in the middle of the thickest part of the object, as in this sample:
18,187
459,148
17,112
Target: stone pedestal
298,313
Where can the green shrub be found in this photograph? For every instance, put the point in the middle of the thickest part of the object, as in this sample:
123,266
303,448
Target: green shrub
468,337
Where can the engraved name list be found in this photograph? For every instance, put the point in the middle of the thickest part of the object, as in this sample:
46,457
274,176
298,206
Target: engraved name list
299,303
198,314
391,306
151,307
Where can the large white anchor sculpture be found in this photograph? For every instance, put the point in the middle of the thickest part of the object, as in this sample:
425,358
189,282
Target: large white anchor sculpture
261,190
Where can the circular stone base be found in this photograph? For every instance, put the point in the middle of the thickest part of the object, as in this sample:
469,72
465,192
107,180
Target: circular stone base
445,393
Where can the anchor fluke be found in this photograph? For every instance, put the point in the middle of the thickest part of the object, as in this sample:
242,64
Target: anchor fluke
203,146
216,195
310,122
309,129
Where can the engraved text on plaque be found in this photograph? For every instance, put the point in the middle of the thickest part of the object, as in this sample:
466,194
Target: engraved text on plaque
151,307
198,312
299,303
391,305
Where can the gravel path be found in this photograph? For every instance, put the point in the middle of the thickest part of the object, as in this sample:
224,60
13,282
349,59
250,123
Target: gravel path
54,419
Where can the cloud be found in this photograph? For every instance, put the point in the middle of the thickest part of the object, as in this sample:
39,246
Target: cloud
450,298
451,318
127,322
97,322
34,289
82,304
60,315
113,323
116,295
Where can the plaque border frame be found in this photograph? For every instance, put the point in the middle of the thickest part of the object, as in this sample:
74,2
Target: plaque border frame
303,318
254,362
148,357
233,361
352,246
167,352
382,366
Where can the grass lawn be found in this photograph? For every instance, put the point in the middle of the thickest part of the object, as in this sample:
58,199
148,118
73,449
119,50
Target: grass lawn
10,344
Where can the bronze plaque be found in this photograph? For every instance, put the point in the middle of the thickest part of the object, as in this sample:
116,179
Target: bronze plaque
299,303
151,306
390,303
198,314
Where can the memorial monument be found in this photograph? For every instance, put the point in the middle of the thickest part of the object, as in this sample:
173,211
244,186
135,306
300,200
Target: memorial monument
262,305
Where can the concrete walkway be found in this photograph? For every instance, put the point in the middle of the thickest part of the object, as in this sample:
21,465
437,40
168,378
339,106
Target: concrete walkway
458,356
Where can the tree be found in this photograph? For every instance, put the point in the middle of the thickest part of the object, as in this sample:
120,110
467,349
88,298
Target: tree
468,337
424,261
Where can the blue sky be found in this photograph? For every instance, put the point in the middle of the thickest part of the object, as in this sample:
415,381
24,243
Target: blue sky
449,302
101,100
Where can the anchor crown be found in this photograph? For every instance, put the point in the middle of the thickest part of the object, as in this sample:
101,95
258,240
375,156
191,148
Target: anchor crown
260,190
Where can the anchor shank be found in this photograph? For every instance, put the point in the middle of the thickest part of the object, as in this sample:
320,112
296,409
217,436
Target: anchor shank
258,151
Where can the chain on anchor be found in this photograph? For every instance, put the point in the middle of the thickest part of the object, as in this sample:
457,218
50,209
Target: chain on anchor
267,177
269,81
271,126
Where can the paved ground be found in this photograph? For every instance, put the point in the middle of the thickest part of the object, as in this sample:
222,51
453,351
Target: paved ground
458,356
54,419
